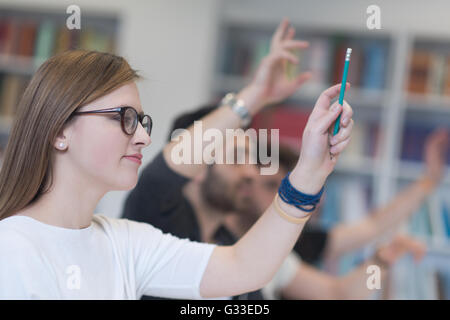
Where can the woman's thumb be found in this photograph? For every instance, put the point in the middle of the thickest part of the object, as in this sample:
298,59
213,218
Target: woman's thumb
327,120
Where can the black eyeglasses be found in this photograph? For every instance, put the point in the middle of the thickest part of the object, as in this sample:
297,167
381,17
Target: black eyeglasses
129,118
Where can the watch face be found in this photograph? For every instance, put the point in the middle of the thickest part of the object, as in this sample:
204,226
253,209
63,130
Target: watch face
229,99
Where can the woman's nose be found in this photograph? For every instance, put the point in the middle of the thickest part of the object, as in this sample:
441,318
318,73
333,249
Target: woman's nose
142,136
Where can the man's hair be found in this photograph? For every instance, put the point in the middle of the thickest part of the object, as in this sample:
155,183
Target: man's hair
287,158
185,120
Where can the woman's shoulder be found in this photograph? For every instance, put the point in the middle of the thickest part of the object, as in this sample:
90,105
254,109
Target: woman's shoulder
121,225
13,238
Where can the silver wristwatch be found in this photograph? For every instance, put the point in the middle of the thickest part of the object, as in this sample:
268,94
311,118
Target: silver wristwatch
238,106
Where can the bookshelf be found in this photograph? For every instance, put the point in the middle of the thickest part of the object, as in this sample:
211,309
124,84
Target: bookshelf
391,117
28,37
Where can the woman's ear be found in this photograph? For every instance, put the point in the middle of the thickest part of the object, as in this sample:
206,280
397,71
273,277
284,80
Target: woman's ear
60,143
62,139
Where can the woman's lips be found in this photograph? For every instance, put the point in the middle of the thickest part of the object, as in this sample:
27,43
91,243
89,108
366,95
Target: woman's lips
134,159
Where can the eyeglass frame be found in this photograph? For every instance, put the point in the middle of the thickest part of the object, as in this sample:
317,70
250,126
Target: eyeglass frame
121,111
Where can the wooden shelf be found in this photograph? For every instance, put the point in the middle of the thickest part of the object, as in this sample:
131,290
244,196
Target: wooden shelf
427,103
359,165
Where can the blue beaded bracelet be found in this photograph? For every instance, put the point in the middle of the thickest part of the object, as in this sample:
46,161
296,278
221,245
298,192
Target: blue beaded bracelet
298,199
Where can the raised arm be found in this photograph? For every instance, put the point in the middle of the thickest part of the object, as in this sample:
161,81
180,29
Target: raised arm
254,259
310,283
346,238
270,85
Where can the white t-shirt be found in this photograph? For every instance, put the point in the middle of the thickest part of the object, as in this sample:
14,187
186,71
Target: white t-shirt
110,259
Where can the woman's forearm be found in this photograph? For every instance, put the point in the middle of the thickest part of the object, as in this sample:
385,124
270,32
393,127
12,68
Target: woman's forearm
256,257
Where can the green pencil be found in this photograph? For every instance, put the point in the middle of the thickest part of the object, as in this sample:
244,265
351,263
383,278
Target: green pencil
341,93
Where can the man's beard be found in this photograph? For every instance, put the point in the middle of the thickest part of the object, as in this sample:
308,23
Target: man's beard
218,194
248,210
214,191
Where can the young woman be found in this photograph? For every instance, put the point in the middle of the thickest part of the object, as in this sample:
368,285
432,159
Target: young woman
78,133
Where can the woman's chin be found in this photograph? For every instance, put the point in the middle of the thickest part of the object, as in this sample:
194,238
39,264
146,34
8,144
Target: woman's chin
126,184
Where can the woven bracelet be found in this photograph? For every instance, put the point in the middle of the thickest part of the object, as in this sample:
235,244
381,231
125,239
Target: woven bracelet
298,199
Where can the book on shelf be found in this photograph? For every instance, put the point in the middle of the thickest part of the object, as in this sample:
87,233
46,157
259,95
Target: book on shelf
374,66
437,74
429,73
339,50
11,90
12,87
26,39
446,78
9,37
44,44
261,49
39,39
419,69
364,144
413,142
356,65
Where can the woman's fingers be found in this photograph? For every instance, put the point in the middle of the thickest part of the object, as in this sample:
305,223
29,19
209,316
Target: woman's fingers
339,147
324,100
343,134
346,115
327,118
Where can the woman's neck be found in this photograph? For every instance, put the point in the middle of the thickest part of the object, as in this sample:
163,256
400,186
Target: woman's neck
70,202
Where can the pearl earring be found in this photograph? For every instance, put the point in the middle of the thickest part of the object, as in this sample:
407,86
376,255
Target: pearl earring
61,145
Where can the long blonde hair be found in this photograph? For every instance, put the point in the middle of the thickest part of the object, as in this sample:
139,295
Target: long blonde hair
62,84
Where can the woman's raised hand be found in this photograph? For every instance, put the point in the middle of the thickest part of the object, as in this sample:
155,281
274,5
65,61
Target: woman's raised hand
320,150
